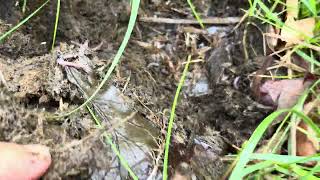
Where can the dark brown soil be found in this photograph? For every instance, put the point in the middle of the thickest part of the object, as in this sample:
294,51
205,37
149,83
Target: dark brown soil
215,110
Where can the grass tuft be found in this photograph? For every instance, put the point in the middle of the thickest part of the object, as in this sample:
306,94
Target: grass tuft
246,155
271,164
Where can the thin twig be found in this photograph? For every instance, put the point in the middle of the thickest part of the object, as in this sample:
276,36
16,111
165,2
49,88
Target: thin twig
210,20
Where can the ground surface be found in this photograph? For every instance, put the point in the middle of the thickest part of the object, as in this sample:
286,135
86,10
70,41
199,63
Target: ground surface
216,109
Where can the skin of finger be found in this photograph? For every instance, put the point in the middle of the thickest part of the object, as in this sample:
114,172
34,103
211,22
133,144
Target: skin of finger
19,162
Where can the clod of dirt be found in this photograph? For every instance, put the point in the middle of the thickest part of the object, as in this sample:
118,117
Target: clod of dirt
40,78
227,8
206,161
201,158
79,20
34,78
77,151
25,76
230,108
134,136
80,159
16,122
17,43
8,12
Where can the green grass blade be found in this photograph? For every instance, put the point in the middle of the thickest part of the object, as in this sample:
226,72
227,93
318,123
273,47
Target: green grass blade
253,7
283,159
314,85
311,5
298,109
308,121
281,139
248,149
301,172
275,4
114,148
133,17
286,164
269,14
3,36
273,19
307,57
195,13
172,114
315,169
284,170
308,134
56,25
24,5
252,143
96,120
256,167
256,136
123,162
275,136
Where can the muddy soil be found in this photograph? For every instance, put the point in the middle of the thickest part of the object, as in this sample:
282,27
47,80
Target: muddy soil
215,110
